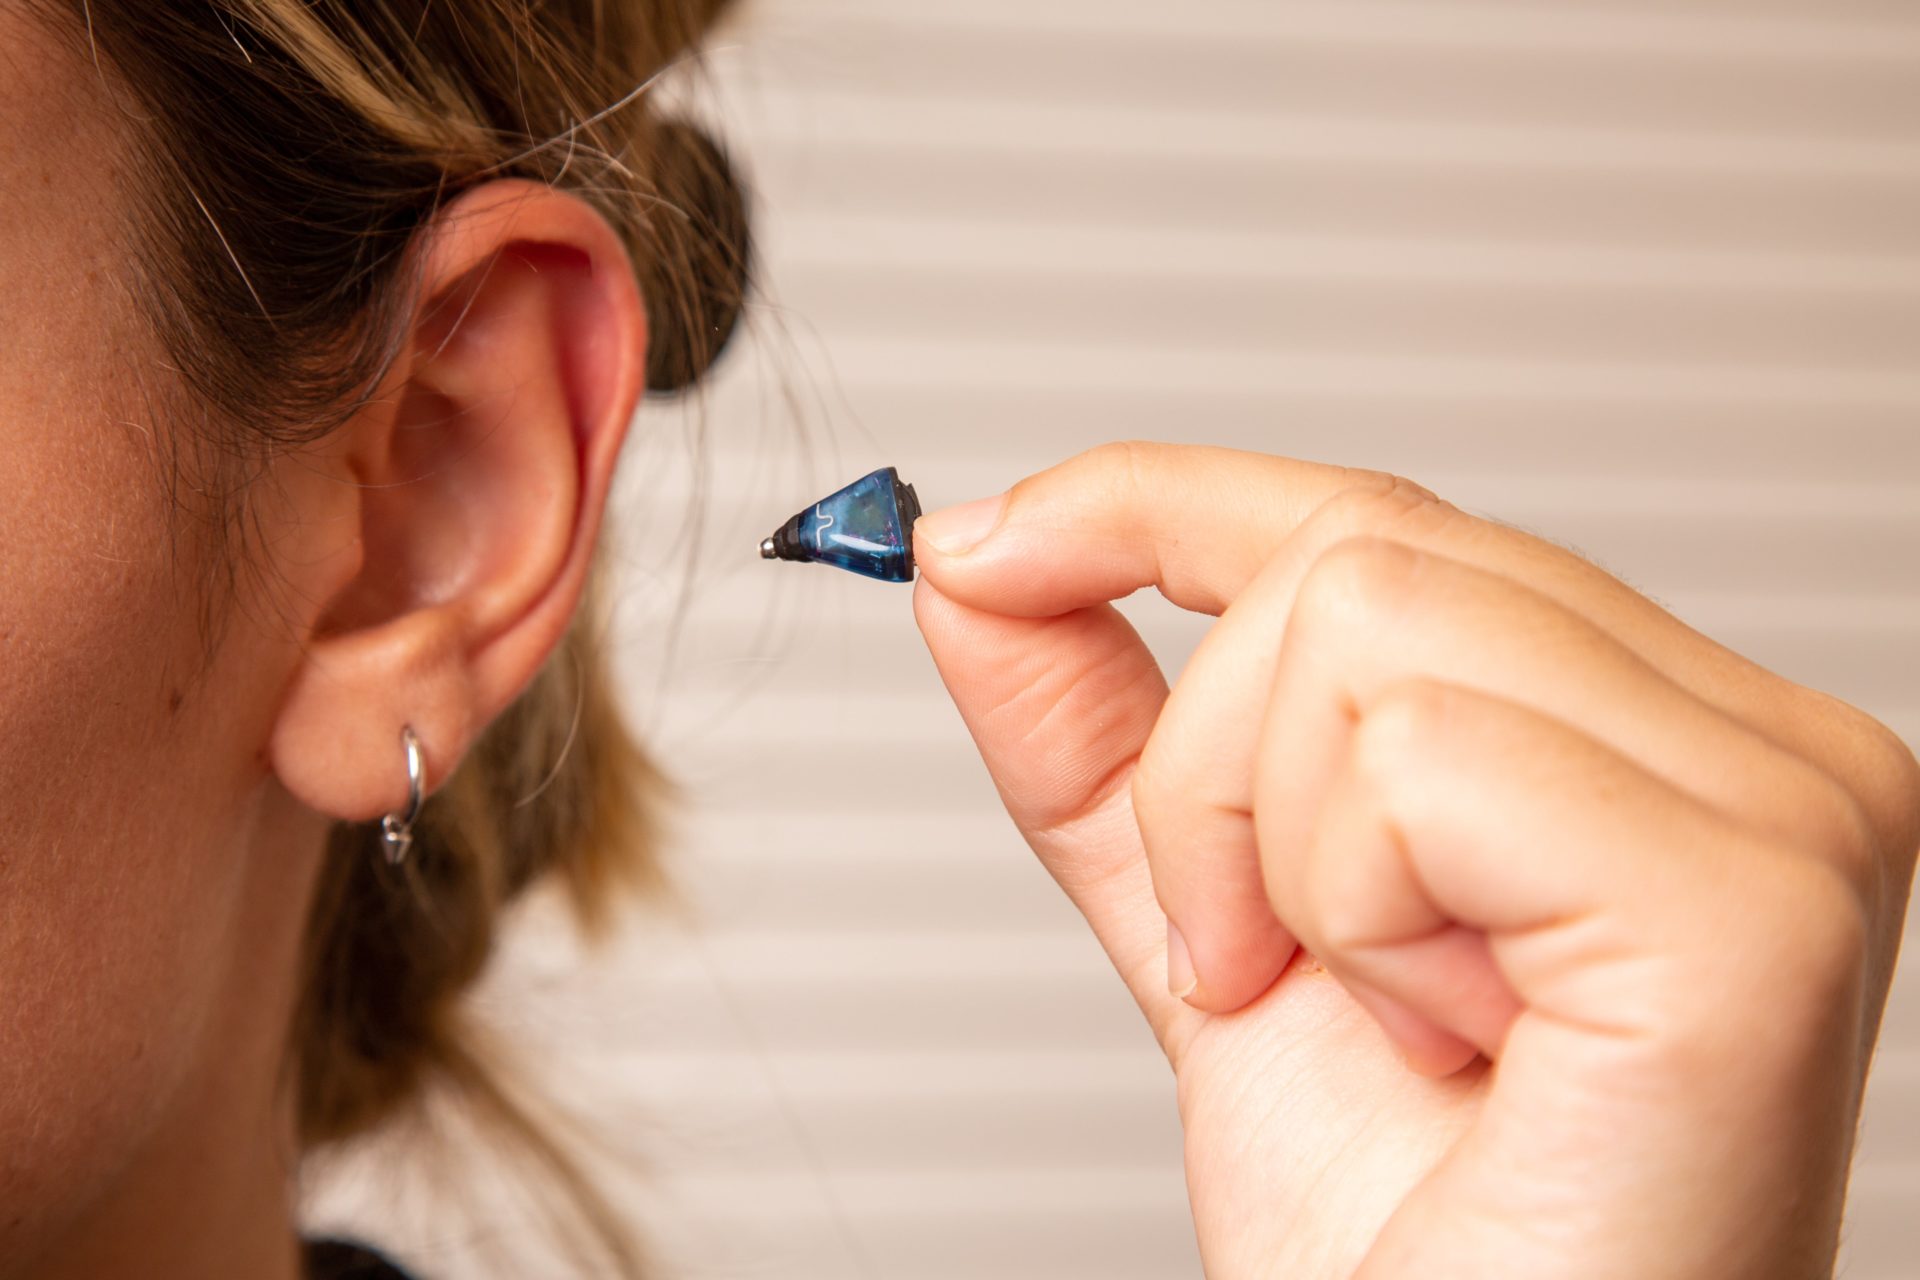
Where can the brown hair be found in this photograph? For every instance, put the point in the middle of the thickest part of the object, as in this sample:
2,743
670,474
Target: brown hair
297,146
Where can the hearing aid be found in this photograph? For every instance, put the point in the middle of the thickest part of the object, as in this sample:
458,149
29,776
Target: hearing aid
865,528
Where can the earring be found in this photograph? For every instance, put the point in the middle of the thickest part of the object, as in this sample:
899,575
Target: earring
396,830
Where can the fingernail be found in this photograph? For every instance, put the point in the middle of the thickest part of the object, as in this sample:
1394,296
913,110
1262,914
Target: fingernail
954,531
1180,979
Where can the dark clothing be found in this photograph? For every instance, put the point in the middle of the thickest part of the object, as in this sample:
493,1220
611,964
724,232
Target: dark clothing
345,1260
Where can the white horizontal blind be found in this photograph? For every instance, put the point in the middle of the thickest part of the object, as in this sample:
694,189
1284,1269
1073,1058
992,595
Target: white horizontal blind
1642,276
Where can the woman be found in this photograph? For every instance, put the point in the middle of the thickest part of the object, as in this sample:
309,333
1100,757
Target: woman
328,318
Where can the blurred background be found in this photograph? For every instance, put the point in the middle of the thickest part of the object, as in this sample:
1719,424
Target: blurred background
1643,277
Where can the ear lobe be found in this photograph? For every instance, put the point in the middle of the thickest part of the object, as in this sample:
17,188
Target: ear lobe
477,480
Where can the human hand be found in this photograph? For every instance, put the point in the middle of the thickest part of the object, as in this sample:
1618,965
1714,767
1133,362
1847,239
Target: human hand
1626,904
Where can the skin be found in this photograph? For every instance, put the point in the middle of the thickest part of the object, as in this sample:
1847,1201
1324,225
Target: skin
1595,918
163,805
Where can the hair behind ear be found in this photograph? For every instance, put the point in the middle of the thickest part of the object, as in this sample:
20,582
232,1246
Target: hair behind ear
696,284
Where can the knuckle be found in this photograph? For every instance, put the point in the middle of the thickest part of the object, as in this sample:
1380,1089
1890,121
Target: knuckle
1836,828
1397,729
1380,503
1358,581
1891,784
1879,772
1820,931
1124,453
1126,464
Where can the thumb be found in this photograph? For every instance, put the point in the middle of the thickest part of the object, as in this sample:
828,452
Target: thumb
1060,708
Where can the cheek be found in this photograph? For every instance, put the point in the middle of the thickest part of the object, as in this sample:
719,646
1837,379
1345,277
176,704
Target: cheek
117,853
122,811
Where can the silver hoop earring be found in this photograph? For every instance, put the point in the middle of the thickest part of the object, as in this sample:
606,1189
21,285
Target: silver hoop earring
396,830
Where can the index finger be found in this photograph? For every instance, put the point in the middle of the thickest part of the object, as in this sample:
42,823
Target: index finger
1196,522
1199,523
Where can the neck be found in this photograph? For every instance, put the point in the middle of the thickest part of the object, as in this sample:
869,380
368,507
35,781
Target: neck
212,1201
210,1190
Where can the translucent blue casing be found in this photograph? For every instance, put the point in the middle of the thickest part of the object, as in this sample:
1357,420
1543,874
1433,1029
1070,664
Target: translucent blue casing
865,528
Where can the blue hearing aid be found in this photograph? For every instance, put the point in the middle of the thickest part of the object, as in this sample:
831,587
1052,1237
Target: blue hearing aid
865,528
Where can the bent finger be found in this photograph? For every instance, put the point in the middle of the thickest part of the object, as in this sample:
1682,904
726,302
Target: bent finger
1642,961
1366,615
1480,862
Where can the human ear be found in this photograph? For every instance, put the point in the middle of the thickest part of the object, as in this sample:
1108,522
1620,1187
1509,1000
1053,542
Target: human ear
469,496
